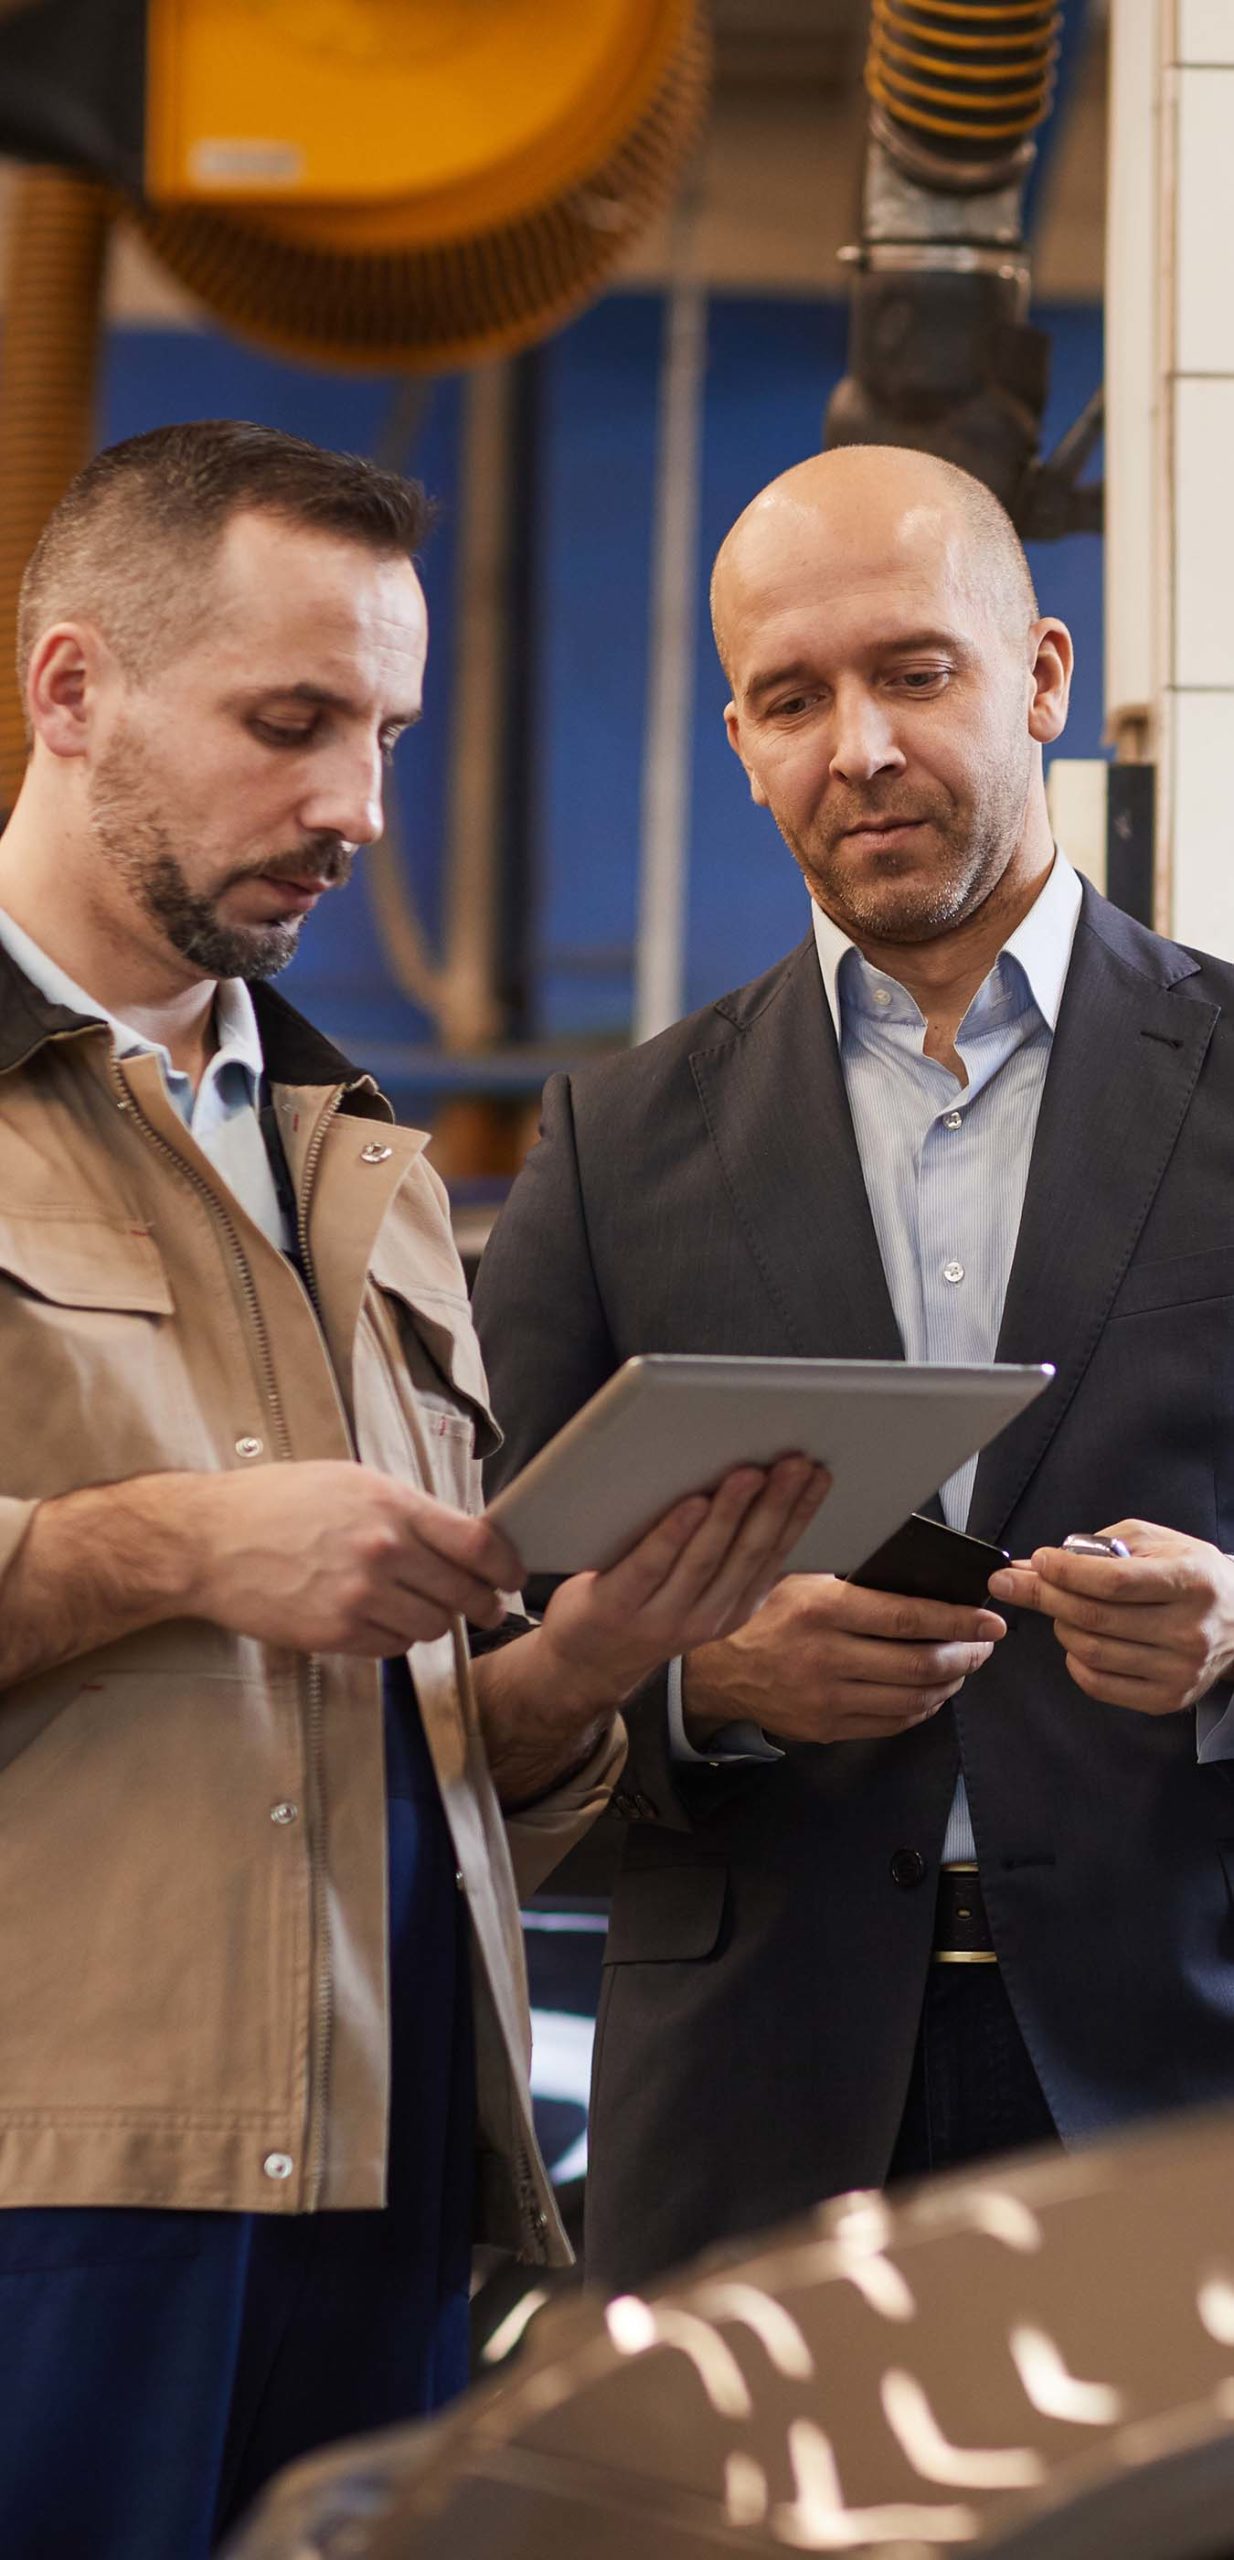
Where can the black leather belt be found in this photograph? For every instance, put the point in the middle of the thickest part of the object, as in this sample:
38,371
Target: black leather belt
962,1932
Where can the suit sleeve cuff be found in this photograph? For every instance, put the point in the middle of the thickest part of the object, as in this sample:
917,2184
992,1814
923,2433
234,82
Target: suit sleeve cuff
731,1742
1214,1725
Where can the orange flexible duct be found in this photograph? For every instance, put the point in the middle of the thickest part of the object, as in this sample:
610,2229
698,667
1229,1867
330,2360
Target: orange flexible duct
437,304
57,245
979,71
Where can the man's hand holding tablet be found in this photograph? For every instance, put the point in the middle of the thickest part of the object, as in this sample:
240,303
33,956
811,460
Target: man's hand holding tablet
700,1573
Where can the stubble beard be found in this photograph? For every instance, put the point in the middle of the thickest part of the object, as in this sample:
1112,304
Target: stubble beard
141,848
896,897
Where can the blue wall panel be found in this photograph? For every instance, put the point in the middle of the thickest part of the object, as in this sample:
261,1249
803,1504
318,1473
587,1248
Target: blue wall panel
596,472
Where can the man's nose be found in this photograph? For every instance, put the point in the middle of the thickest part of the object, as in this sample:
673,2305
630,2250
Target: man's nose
345,798
864,743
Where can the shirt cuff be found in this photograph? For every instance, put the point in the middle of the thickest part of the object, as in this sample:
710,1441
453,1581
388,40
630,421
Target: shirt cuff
1214,1725
732,1742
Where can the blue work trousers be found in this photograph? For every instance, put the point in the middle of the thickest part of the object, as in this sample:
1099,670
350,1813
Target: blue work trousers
157,2368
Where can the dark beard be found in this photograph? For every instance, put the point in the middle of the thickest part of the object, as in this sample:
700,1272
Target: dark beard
192,926
141,846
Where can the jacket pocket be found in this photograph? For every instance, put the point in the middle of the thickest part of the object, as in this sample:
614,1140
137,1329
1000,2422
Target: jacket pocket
73,1259
666,1915
440,1346
1182,1281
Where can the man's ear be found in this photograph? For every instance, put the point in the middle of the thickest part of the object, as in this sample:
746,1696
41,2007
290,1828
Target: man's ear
1053,660
66,666
732,731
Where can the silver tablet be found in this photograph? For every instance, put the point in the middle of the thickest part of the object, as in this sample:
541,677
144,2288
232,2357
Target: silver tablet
668,1425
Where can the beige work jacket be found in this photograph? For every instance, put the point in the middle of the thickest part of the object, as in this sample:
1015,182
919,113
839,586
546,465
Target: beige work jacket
193,1966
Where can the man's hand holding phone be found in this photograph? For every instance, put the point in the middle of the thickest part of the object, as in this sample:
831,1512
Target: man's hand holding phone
825,1661
1151,1629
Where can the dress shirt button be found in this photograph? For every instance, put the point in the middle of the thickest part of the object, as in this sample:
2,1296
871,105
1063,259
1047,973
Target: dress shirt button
882,996
907,1868
375,1155
954,1272
278,2164
285,1812
954,1120
249,1446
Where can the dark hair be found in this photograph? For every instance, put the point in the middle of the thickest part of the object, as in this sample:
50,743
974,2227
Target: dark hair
116,548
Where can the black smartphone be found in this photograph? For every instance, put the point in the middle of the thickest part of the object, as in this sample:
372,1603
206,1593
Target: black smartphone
925,1560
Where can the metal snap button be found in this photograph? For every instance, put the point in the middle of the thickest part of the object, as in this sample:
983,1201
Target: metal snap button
278,2164
375,1154
285,1812
249,1446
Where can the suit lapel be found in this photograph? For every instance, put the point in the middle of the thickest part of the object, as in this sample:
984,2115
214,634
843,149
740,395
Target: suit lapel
773,1098
1126,1056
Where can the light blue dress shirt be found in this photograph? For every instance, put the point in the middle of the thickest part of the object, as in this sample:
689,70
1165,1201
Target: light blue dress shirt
222,1114
946,1165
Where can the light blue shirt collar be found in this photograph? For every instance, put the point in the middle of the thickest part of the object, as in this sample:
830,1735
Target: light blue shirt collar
1041,944
235,1023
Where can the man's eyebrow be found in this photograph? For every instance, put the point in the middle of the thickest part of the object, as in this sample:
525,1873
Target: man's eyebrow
900,644
794,672
318,697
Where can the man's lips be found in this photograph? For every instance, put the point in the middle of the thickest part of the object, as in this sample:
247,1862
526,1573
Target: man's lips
299,893
880,831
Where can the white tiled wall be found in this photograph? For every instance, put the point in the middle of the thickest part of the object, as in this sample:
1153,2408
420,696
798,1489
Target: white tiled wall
1203,741
1197,470
1203,651
1205,30
1205,214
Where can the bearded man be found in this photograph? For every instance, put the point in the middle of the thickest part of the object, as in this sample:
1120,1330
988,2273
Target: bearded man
263,2023
899,1888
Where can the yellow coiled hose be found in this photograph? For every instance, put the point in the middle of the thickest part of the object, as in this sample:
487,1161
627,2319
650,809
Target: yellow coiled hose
969,70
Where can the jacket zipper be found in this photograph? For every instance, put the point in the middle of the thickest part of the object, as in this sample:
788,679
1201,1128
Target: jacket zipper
323,2003
322,2035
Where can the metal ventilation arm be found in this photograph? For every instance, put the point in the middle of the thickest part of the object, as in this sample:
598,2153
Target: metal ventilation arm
942,355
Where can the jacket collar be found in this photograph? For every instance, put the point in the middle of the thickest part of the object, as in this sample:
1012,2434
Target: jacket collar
1132,1032
294,1052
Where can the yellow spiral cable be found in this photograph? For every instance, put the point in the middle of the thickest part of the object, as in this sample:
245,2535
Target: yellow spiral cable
920,62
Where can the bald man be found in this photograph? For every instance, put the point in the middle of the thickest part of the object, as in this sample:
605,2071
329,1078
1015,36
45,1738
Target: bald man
901,1887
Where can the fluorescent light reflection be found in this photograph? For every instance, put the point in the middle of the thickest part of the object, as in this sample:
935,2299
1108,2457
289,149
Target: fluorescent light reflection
1056,2392
953,2466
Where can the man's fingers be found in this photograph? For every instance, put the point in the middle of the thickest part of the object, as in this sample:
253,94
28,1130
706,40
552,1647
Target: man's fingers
479,1546
759,1587
727,1556
865,1661
1126,1580
1148,1697
1018,1585
878,1710
686,1551
417,1572
1123,1656
648,1564
889,1615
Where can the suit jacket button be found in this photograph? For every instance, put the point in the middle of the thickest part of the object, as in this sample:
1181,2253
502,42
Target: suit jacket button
907,1868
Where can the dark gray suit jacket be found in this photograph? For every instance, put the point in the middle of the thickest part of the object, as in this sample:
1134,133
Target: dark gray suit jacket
766,1960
